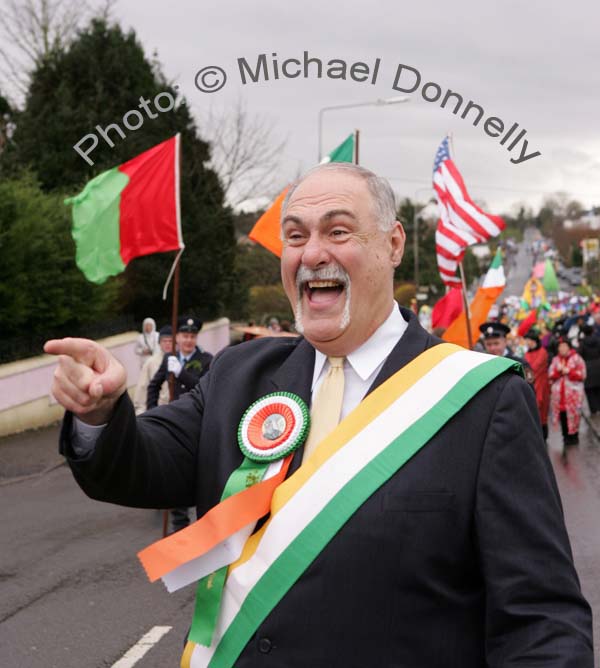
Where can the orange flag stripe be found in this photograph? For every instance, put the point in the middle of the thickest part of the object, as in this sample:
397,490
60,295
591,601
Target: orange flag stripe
479,308
220,522
266,229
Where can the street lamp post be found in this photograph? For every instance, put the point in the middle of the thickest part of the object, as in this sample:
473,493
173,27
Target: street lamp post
375,103
416,236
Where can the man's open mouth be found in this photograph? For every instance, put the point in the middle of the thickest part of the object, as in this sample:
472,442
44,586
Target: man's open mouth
323,291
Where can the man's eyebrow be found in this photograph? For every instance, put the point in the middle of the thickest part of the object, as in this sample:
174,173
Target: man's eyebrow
338,212
290,218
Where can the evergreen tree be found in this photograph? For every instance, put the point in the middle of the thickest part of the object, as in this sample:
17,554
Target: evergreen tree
428,268
42,292
101,77
428,272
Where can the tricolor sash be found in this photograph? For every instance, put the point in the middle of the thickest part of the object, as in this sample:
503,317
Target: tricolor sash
369,446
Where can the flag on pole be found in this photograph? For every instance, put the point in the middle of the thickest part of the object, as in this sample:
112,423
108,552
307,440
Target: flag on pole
345,152
266,229
462,223
491,288
447,309
526,324
128,211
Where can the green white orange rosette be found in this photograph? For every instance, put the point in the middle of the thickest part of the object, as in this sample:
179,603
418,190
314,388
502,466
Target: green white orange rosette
273,427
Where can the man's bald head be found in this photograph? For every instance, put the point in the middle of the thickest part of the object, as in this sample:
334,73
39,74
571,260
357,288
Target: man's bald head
382,195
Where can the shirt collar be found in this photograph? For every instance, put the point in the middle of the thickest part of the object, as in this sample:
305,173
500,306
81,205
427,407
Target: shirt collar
374,351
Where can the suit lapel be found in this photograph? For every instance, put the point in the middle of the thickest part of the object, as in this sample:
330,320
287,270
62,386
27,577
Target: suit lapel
295,375
413,342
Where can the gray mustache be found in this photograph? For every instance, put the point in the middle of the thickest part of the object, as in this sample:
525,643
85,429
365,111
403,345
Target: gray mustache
329,273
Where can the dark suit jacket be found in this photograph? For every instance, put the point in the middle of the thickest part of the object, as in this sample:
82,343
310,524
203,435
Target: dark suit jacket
192,371
460,560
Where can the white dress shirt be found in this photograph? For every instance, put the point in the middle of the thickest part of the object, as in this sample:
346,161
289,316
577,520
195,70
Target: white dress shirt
360,370
363,364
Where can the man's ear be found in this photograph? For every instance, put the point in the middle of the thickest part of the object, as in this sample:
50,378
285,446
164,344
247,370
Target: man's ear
398,239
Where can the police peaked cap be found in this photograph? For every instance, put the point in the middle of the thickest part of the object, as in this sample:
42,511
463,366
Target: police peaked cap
493,329
189,324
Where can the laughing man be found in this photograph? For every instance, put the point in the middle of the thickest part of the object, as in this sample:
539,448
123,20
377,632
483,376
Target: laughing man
424,530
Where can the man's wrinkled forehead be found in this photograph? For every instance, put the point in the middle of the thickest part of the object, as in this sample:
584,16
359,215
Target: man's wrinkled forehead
326,195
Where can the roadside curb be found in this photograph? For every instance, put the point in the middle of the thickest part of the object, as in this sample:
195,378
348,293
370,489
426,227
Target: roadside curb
32,476
592,427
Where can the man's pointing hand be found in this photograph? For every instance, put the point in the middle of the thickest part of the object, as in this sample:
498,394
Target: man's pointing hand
88,379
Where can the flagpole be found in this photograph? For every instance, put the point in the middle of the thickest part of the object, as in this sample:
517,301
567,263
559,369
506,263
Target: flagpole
356,138
175,308
174,315
451,142
466,304
462,271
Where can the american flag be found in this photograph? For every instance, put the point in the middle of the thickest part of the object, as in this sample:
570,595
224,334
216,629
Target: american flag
462,223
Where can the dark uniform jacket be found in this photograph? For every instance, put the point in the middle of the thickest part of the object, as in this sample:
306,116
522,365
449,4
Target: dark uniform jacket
589,349
460,560
196,366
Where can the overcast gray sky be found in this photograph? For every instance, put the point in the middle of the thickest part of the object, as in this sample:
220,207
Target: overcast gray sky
533,63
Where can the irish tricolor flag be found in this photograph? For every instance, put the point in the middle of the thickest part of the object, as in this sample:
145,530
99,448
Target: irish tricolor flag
486,295
266,229
128,211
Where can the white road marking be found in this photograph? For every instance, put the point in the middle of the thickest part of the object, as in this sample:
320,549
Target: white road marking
143,645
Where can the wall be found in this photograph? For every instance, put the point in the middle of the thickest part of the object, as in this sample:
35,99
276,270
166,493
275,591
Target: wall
25,399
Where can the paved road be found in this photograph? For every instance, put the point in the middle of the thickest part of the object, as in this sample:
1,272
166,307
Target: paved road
578,481
519,272
74,595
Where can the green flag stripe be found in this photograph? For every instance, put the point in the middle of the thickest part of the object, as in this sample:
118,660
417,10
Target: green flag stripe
497,261
294,560
342,153
96,226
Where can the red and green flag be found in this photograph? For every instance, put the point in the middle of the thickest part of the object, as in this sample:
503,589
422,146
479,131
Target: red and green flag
128,211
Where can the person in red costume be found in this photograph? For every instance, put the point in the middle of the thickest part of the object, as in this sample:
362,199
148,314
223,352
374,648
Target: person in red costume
537,358
567,373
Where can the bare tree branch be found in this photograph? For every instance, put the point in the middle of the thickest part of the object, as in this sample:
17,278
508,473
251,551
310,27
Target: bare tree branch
32,29
245,153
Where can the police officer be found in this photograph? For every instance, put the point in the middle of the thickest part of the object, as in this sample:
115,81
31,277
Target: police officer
494,341
188,365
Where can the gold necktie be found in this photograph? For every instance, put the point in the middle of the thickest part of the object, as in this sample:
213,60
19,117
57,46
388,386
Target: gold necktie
326,405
